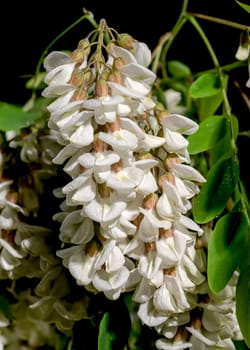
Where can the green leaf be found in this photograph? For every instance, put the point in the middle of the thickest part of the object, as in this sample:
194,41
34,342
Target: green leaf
225,249
223,149
243,304
244,6
13,117
105,336
178,69
211,130
208,84
214,194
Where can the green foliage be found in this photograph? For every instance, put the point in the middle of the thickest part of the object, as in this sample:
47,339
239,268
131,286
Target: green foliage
13,117
226,249
105,336
210,132
224,147
214,194
207,84
244,6
178,69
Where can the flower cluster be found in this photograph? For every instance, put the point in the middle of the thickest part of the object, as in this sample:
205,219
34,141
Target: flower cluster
125,220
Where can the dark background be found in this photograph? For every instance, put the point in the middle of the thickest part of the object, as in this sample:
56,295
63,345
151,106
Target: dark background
27,27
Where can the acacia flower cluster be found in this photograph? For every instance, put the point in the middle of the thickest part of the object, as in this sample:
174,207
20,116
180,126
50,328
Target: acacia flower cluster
125,220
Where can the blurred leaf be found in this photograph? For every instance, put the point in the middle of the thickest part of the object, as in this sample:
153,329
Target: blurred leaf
5,307
244,6
105,336
243,304
225,249
36,82
208,84
214,194
178,69
13,117
210,131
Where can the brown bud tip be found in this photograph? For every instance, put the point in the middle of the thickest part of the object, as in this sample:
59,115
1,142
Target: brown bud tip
83,44
118,62
171,271
166,177
116,77
101,88
166,233
126,41
170,160
150,201
77,77
150,247
99,145
77,56
79,94
92,248
103,190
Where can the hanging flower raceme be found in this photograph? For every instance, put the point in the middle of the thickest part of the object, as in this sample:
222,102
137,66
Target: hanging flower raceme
125,224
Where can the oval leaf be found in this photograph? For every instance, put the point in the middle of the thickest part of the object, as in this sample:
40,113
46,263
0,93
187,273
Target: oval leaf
13,117
207,84
210,131
225,249
214,194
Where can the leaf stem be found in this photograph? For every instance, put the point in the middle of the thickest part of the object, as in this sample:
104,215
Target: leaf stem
220,21
216,63
161,51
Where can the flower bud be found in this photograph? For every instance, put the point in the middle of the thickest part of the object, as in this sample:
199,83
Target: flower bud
244,47
78,56
84,46
118,63
126,41
79,94
101,88
116,77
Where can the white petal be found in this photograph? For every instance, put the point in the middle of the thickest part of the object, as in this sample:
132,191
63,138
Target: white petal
81,266
105,281
83,136
56,58
174,141
164,344
138,72
121,140
183,125
118,51
104,212
149,315
142,53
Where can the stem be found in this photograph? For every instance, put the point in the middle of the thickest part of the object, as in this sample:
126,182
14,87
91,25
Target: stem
161,51
220,74
87,15
220,21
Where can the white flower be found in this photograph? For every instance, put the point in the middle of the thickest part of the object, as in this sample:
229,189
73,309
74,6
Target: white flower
170,297
164,344
76,229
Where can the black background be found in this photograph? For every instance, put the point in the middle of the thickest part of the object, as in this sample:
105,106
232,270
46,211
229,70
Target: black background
27,27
